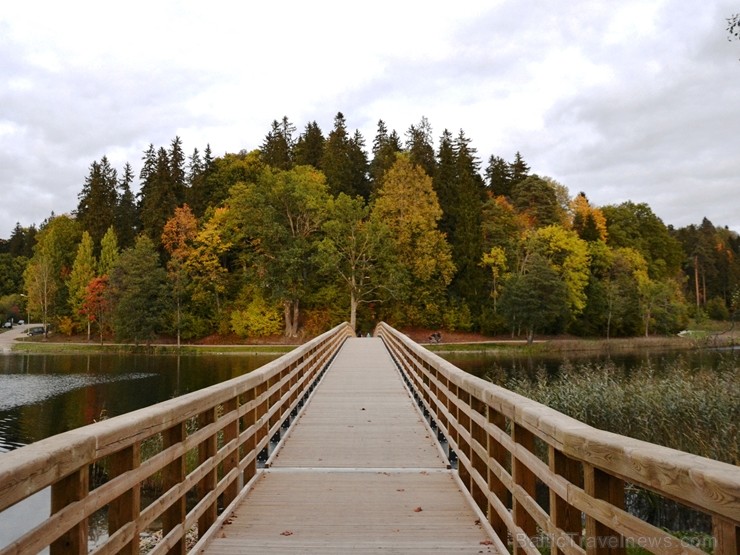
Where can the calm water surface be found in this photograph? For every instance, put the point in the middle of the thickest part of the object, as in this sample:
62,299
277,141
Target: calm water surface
43,395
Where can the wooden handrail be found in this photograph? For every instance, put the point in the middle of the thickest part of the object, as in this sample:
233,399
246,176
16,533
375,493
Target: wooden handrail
209,443
508,445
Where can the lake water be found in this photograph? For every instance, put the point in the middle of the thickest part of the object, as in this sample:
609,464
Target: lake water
43,395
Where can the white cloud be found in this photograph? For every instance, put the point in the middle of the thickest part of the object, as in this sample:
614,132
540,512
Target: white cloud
630,100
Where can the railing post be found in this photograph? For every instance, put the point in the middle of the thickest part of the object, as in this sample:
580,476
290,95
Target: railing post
478,464
206,450
497,452
566,517
250,445
726,536
526,480
174,474
231,432
68,490
600,538
127,506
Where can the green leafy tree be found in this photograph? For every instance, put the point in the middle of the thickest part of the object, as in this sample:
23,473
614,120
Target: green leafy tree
407,204
536,299
636,226
109,252
140,293
83,271
50,266
567,255
276,220
356,249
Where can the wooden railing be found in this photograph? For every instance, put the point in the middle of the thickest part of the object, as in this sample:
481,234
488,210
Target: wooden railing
546,480
195,452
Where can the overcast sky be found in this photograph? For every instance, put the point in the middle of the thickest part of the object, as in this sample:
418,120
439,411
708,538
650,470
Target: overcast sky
630,100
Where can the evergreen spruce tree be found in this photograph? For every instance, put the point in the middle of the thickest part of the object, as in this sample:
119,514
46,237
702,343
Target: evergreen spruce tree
444,182
419,145
158,198
385,147
360,181
277,148
466,238
177,176
98,199
309,148
200,186
518,169
499,177
127,217
344,161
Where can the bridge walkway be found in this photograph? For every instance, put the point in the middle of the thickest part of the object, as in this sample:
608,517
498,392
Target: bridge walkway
360,472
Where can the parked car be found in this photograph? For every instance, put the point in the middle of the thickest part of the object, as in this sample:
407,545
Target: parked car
36,330
8,324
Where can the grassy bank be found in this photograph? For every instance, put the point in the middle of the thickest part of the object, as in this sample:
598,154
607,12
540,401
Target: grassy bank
52,347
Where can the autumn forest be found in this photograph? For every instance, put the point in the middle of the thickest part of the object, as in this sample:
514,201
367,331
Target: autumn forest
316,228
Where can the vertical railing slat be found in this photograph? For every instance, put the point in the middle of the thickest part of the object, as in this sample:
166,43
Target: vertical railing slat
126,507
67,490
174,474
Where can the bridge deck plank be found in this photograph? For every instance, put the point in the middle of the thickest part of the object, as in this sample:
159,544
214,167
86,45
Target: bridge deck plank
359,472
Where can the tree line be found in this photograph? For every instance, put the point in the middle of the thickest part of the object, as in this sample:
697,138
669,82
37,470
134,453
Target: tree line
312,229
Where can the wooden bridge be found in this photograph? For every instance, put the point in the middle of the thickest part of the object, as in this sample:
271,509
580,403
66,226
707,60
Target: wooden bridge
358,445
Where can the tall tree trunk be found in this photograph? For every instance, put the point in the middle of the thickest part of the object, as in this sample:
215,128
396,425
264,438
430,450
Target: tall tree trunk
353,310
296,313
288,317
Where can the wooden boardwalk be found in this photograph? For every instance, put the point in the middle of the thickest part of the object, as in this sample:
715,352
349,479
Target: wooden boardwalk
360,472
